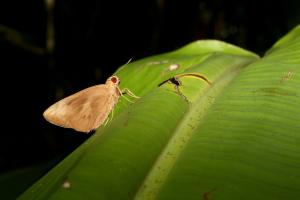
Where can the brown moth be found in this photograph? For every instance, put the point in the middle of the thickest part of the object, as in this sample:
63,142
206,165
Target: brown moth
87,109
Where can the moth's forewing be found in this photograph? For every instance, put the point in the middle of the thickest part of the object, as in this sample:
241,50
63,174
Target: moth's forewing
92,113
85,110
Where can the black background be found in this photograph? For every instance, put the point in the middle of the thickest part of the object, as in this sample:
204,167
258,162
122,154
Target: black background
92,39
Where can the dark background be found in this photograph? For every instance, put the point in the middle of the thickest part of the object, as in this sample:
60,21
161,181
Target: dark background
92,39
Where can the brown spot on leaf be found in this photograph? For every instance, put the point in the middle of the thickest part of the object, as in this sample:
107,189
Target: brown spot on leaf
207,195
276,91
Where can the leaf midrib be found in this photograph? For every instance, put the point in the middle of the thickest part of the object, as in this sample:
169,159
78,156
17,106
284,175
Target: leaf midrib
158,174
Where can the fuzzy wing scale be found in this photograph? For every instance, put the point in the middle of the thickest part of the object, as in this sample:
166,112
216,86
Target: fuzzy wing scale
85,110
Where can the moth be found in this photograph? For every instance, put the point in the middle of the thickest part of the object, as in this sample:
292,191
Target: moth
87,109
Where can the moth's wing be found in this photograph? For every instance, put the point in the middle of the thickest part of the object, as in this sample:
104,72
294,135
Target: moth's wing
83,111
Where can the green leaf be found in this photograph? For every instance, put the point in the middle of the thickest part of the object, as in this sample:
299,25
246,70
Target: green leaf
232,135
15,182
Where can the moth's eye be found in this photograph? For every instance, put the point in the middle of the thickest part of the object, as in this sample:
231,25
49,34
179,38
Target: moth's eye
114,79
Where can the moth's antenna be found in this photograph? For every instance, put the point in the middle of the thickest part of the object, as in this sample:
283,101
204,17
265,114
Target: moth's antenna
129,61
124,64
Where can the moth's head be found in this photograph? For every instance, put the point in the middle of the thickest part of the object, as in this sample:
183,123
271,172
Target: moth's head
113,80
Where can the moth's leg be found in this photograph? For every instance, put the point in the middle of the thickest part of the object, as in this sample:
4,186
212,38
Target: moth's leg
127,91
127,99
109,117
106,121
111,114
120,92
